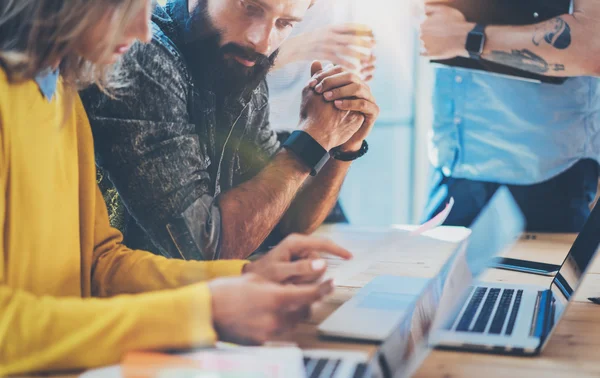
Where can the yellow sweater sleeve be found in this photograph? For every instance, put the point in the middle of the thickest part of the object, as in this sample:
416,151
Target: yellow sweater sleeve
51,334
61,333
119,270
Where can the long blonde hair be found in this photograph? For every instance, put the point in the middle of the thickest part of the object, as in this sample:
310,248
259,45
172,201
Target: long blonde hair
36,34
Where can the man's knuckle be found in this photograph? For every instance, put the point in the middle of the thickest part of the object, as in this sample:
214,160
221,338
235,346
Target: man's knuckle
326,81
361,89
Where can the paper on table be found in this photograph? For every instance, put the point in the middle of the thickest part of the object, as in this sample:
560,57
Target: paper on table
436,221
246,362
371,245
104,372
364,244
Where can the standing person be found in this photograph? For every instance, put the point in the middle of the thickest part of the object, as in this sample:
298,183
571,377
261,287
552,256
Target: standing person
541,140
189,145
319,37
72,296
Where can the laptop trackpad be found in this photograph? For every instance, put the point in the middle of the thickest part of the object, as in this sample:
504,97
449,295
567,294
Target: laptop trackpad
375,309
387,301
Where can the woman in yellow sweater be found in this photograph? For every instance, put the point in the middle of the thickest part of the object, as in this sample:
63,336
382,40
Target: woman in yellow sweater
71,295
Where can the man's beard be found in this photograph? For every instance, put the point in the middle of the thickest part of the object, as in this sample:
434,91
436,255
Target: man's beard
228,75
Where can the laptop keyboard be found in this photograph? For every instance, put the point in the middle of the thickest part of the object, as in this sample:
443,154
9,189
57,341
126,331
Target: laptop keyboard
513,314
488,310
474,303
501,312
327,367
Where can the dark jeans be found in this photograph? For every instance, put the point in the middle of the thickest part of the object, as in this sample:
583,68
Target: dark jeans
337,214
561,204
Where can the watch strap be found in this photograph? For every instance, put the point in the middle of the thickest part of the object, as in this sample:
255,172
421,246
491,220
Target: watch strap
478,32
308,150
337,154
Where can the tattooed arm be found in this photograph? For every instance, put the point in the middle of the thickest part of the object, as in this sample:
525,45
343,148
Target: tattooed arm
568,45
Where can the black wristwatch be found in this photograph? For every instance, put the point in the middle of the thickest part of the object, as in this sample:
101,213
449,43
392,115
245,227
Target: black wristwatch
308,150
337,154
476,41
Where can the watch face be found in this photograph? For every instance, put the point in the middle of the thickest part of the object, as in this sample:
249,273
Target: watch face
475,42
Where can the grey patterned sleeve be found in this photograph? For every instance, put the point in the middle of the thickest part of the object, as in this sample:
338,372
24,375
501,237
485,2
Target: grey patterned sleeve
146,142
265,142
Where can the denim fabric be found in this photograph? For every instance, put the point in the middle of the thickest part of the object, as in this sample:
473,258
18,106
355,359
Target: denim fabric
504,130
561,204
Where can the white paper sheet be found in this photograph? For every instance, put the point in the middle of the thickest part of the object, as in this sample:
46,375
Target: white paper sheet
228,361
370,245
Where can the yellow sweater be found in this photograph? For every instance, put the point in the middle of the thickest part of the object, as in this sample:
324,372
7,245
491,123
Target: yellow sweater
57,251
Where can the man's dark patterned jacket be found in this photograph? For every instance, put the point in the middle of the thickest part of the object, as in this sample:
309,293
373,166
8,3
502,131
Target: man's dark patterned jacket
170,150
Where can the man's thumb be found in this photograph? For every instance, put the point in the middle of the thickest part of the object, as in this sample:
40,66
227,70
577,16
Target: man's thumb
315,67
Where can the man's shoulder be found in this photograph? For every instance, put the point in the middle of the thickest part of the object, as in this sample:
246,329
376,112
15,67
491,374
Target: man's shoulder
159,61
152,79
161,55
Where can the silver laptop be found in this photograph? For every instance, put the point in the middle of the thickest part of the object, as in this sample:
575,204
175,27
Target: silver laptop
519,319
407,344
374,312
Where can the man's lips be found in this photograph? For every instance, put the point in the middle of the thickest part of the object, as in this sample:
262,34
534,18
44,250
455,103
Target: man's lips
245,62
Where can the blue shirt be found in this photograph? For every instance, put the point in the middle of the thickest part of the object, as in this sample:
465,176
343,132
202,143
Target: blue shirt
47,81
510,131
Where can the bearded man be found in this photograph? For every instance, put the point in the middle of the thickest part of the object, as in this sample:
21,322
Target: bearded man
187,141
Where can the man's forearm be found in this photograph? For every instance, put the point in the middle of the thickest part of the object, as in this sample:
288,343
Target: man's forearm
567,45
316,199
251,210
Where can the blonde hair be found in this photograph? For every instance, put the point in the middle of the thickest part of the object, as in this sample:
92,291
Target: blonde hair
37,34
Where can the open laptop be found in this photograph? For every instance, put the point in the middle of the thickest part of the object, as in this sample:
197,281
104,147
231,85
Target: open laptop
407,344
519,319
507,12
376,309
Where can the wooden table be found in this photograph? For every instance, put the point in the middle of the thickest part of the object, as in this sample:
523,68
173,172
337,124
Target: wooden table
574,349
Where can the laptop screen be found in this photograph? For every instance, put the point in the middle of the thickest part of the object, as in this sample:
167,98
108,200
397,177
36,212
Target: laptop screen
573,269
498,226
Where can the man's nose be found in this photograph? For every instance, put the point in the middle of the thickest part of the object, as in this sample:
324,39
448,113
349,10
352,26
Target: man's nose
259,37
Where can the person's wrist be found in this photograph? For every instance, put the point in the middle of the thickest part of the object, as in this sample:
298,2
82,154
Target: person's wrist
316,132
248,268
213,288
351,146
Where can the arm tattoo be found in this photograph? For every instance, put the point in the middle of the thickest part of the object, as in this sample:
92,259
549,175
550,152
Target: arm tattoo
555,32
525,60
